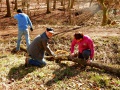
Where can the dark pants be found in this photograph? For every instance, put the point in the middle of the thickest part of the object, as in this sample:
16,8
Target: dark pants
35,62
84,55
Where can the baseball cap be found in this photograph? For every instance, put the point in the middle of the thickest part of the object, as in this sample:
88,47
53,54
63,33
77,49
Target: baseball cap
50,30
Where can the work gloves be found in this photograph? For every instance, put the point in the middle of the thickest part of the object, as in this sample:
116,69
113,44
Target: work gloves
31,29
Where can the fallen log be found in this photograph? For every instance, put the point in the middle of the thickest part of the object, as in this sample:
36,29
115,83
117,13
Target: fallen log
76,28
112,70
109,69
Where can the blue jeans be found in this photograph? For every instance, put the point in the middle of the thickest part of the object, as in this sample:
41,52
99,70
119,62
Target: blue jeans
39,63
26,35
84,55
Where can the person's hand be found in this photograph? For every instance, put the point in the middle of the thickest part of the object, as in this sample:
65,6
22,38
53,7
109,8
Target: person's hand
54,56
31,29
72,54
89,61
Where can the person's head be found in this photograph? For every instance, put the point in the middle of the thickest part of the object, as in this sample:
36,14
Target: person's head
19,11
49,32
78,36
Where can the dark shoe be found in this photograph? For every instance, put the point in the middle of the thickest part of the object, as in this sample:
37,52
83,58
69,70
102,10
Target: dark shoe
26,62
57,61
16,51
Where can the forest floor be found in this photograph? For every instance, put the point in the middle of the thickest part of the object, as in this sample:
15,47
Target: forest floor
54,76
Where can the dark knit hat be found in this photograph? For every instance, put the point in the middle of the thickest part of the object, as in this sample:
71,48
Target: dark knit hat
19,11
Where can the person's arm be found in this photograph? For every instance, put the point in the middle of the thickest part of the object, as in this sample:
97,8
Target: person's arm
15,17
46,47
72,47
30,24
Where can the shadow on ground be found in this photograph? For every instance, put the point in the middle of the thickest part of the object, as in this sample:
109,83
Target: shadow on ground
67,72
17,73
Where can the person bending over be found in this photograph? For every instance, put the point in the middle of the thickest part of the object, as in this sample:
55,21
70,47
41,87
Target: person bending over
85,47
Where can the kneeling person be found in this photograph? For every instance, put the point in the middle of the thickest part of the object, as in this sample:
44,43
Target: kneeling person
37,48
85,47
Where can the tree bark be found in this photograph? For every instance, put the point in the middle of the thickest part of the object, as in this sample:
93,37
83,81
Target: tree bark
105,13
48,7
8,9
16,5
109,69
72,3
54,5
61,2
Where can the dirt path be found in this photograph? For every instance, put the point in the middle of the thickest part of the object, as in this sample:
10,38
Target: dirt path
94,31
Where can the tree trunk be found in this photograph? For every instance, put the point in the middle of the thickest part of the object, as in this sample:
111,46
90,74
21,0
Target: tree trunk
54,4
69,4
16,5
105,14
91,2
108,69
48,7
8,9
61,2
105,19
72,3
28,6
0,5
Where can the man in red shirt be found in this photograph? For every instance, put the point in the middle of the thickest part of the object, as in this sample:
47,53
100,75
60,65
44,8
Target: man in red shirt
85,47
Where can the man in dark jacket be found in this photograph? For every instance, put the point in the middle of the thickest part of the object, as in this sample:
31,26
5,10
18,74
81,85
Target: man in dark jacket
37,48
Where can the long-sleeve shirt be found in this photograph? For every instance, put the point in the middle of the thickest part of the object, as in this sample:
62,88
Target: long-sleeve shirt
23,21
38,47
85,43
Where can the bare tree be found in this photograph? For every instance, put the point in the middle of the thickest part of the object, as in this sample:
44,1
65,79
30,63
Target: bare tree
8,9
72,3
105,12
69,4
1,5
16,5
63,4
105,5
48,6
54,4
62,1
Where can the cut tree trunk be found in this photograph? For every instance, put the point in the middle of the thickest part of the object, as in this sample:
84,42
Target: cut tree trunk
109,69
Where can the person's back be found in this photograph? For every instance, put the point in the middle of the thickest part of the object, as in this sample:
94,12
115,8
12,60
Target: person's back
37,46
23,23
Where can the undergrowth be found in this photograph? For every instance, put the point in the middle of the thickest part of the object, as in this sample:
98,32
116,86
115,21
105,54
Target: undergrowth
66,75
